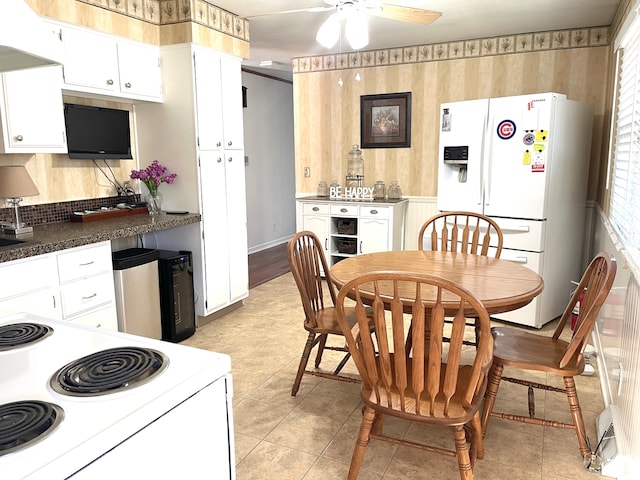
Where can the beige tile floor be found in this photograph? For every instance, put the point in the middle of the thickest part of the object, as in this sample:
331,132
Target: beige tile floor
311,436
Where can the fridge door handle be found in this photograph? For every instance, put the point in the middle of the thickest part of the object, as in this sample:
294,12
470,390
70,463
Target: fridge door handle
520,260
518,229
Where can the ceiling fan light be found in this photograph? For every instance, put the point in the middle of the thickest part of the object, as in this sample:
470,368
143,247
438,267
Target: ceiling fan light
356,30
329,31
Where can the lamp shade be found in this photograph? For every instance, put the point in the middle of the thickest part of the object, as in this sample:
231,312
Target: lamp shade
329,31
15,182
356,30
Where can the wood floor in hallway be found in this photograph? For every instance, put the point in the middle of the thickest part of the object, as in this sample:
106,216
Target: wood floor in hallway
267,265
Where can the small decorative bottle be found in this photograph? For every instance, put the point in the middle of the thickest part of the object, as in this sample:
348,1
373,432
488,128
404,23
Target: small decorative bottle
395,193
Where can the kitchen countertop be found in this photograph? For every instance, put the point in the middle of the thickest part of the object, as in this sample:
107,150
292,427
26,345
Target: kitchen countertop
60,236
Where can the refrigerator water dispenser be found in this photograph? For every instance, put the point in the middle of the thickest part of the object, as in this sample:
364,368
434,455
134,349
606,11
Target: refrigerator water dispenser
457,157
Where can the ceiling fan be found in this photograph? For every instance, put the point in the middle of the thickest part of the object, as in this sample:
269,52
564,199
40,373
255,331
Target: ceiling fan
354,15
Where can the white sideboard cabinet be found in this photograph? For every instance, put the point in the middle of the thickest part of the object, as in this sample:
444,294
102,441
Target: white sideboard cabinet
104,65
347,228
197,133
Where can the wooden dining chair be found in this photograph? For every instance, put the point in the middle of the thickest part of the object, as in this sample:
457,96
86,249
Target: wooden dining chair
308,265
438,384
466,232
551,354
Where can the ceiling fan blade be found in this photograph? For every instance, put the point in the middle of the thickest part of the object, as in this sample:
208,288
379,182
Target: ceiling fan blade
407,14
283,12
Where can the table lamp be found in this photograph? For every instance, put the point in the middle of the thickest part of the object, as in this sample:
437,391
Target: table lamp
16,183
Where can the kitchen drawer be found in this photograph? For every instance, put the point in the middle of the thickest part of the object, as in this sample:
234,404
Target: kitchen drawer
522,234
29,275
374,211
344,210
89,293
315,208
84,262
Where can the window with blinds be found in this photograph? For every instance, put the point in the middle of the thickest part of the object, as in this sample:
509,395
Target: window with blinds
625,188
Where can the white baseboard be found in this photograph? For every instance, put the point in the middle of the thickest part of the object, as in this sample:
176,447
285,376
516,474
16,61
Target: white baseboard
269,244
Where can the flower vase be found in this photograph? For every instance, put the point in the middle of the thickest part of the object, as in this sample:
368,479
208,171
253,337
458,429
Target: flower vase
154,203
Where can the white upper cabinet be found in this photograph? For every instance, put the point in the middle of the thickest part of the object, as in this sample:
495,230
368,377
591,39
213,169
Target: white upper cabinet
31,111
219,100
101,64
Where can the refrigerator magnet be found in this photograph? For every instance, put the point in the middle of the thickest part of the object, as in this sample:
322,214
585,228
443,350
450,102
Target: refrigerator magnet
539,158
446,120
529,138
526,158
506,129
542,136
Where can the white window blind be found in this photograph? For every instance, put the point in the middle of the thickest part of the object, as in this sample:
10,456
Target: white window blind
625,189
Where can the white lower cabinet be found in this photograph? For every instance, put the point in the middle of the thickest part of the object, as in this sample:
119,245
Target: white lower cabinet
74,284
348,228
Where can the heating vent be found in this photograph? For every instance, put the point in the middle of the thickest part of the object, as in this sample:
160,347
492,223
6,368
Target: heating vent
628,425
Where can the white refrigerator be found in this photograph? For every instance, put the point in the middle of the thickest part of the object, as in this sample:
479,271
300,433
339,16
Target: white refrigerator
524,162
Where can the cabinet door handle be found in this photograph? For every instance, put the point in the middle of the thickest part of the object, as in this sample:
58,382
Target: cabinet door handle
230,143
326,247
360,246
373,212
127,85
109,82
87,264
218,144
89,297
230,159
19,138
315,209
219,160
343,210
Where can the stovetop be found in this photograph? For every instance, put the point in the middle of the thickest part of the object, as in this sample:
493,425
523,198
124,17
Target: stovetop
89,425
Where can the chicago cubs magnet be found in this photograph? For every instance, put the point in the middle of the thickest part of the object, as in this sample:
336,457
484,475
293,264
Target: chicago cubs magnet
506,129
529,138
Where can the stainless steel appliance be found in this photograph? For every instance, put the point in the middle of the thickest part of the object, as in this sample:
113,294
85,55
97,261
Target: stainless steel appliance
77,402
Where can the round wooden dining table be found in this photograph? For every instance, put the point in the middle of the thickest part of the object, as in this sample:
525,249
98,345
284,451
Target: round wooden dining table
501,285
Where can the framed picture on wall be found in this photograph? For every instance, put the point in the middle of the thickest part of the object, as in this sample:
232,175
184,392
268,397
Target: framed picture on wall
385,120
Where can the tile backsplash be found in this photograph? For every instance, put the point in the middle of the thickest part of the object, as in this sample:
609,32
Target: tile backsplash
59,212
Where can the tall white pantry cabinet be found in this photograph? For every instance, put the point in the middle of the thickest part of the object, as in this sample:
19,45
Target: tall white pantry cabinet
197,132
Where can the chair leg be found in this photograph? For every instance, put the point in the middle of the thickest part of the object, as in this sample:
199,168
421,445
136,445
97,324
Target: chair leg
321,345
462,453
476,429
303,363
576,413
362,442
342,363
495,374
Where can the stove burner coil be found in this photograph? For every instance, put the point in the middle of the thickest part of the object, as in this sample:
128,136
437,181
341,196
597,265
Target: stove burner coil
26,422
21,334
108,371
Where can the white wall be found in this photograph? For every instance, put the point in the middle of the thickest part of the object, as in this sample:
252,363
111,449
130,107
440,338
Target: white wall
269,148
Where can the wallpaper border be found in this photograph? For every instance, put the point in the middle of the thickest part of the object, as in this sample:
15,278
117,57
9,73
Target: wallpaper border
483,47
167,12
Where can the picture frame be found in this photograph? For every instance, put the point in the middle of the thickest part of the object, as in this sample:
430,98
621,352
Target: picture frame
385,120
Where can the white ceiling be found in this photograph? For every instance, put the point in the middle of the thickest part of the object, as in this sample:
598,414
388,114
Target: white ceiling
285,36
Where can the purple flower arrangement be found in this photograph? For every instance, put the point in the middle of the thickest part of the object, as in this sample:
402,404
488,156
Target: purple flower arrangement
153,176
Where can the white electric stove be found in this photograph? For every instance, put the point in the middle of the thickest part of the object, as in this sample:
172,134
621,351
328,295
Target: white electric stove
83,403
